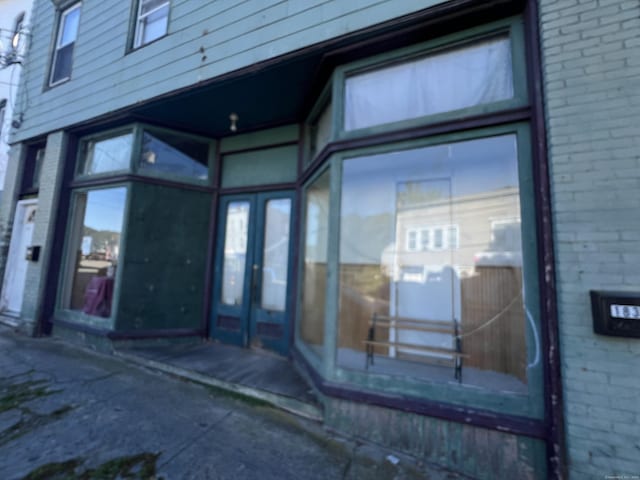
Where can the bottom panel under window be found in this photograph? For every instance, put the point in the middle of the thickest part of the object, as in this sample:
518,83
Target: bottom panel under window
431,265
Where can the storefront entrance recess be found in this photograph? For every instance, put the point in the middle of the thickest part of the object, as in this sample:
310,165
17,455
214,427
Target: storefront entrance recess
252,270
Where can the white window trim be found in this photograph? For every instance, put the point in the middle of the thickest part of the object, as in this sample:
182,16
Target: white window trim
416,234
422,241
137,40
421,232
58,46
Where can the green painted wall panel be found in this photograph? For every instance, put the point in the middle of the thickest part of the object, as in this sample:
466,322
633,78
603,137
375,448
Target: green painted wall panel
165,261
260,167
263,138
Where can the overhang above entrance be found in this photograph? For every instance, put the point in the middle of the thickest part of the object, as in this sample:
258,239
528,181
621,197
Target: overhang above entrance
282,90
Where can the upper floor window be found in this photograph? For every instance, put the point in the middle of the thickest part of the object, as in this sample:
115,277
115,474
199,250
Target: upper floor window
151,22
63,53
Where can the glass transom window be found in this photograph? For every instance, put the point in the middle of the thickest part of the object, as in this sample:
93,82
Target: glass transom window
107,154
452,80
138,149
174,154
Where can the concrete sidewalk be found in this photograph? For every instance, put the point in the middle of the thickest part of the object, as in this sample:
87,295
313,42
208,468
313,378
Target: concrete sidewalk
71,413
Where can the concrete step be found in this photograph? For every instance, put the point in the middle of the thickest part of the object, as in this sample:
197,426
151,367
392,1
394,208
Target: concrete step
287,403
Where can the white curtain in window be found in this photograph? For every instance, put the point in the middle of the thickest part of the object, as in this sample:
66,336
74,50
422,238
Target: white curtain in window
456,79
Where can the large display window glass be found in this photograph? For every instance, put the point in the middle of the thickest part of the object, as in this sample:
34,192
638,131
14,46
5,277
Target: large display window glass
431,264
94,253
431,278
314,268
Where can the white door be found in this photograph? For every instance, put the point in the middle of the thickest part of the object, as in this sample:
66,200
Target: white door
16,270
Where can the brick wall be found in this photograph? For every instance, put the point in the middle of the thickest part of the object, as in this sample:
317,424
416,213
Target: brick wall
48,194
12,179
591,65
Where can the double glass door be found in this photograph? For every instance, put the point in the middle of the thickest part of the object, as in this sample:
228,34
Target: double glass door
252,271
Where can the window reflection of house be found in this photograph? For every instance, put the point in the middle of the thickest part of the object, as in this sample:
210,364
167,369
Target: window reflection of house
426,216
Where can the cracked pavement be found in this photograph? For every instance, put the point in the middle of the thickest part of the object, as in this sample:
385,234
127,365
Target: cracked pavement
59,403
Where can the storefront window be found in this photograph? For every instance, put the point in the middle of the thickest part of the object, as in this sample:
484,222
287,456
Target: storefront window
431,265
107,154
443,82
97,230
275,254
314,275
174,154
235,252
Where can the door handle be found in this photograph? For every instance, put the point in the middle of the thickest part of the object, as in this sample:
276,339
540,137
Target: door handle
254,283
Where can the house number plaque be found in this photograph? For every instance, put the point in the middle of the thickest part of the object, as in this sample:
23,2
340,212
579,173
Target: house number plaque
616,313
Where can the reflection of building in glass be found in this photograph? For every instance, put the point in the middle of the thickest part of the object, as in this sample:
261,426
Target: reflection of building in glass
445,246
431,264
464,232
235,252
98,234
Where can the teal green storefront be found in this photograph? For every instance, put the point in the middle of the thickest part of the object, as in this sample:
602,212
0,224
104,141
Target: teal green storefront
373,209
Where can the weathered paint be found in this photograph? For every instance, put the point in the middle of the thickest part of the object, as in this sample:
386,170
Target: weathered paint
478,452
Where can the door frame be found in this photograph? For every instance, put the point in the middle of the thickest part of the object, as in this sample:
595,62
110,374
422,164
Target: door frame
14,255
255,240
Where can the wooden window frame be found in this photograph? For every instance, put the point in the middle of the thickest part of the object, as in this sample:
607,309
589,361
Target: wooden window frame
57,47
138,29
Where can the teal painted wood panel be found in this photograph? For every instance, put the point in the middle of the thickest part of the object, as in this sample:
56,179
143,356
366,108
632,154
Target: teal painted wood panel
232,34
164,264
260,167
263,138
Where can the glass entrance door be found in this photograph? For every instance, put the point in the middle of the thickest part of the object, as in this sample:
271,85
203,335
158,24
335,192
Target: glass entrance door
252,270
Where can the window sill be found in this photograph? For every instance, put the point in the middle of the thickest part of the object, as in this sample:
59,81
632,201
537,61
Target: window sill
478,417
132,48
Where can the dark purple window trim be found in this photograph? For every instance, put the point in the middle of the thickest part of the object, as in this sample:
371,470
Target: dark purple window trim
556,448
469,416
